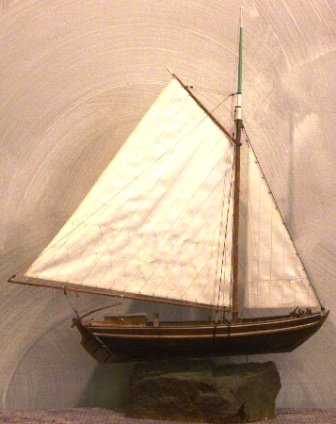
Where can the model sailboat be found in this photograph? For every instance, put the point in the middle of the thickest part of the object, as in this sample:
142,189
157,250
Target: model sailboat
178,217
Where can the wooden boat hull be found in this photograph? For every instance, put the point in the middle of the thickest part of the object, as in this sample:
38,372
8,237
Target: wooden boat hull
109,343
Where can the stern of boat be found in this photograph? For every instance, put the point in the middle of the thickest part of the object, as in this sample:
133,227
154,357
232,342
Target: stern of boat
93,345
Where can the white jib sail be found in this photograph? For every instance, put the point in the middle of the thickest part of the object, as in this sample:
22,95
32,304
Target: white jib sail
270,268
150,225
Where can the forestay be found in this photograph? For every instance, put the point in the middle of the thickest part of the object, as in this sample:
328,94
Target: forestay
270,268
156,221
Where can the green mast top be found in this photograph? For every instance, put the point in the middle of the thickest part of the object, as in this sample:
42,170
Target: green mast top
240,62
240,69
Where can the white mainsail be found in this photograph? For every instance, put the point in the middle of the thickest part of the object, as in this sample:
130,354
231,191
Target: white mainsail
270,269
150,225
159,219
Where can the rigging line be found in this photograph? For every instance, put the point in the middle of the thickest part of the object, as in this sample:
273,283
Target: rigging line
271,254
74,308
103,308
186,227
206,110
223,261
259,239
176,178
190,285
224,100
174,241
189,132
242,312
226,234
217,244
179,141
222,207
283,221
209,90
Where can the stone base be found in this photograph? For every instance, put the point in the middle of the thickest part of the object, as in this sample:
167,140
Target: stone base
199,391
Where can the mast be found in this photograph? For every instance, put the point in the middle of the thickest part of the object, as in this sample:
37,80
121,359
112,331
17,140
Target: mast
238,123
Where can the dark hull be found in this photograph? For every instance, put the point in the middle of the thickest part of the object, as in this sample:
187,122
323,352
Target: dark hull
131,343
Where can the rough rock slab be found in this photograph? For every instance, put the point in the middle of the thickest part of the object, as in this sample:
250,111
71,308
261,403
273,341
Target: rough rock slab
198,391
